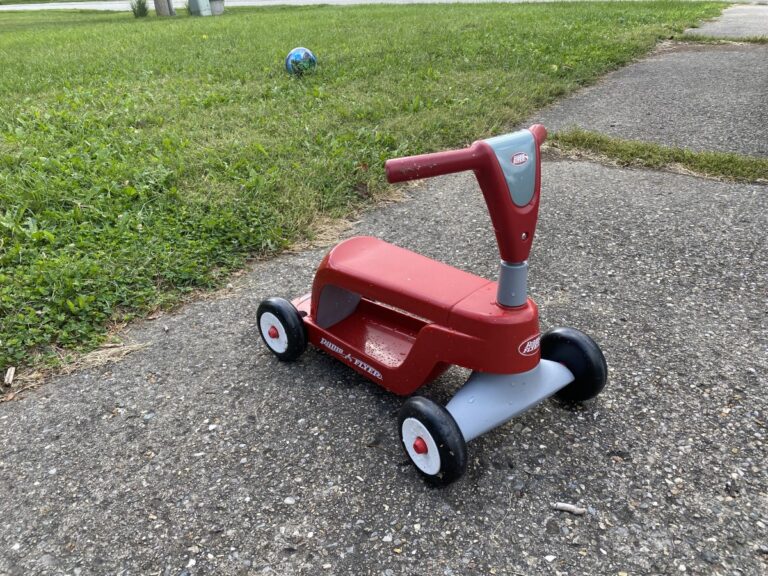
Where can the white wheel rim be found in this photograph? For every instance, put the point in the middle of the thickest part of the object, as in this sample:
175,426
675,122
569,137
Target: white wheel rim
278,344
429,462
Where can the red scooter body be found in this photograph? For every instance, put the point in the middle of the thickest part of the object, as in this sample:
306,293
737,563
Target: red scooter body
401,319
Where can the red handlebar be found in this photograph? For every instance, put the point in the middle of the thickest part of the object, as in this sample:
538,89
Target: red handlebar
539,133
448,162
514,224
428,165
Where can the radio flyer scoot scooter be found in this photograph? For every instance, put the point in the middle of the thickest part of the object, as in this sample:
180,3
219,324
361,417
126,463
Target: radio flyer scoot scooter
401,319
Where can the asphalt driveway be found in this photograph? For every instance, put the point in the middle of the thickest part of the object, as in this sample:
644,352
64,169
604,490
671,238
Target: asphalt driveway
201,454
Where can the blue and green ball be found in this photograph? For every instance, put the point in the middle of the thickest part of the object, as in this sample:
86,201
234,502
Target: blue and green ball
300,61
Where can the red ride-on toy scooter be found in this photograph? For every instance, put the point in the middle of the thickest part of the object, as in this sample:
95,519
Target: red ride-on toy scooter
400,319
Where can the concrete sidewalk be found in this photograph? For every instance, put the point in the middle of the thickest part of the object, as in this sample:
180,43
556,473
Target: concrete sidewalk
738,21
697,96
201,454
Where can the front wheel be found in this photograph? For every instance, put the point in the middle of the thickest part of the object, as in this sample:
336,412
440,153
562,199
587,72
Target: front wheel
582,356
282,328
432,440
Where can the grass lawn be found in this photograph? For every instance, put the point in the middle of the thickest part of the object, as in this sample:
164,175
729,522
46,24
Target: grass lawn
140,159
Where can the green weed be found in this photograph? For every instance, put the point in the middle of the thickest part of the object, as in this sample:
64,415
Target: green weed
705,39
644,154
139,8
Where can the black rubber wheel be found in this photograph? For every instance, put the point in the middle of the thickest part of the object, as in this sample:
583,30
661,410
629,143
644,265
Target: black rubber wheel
432,440
582,356
281,328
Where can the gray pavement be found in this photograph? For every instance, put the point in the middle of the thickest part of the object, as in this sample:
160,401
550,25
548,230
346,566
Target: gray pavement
203,447
702,97
740,21
201,454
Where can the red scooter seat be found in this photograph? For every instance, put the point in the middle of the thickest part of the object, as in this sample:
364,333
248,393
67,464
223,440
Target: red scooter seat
380,271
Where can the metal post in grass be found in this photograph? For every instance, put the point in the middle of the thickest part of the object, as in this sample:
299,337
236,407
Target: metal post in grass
199,7
164,8
217,7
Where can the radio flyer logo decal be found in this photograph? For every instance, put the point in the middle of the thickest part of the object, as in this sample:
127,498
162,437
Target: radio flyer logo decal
530,346
351,359
519,159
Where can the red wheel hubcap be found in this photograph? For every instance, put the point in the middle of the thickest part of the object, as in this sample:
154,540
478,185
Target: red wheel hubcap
419,446
273,333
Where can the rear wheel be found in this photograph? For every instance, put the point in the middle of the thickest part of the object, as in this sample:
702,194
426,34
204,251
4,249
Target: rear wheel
282,328
432,440
582,356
